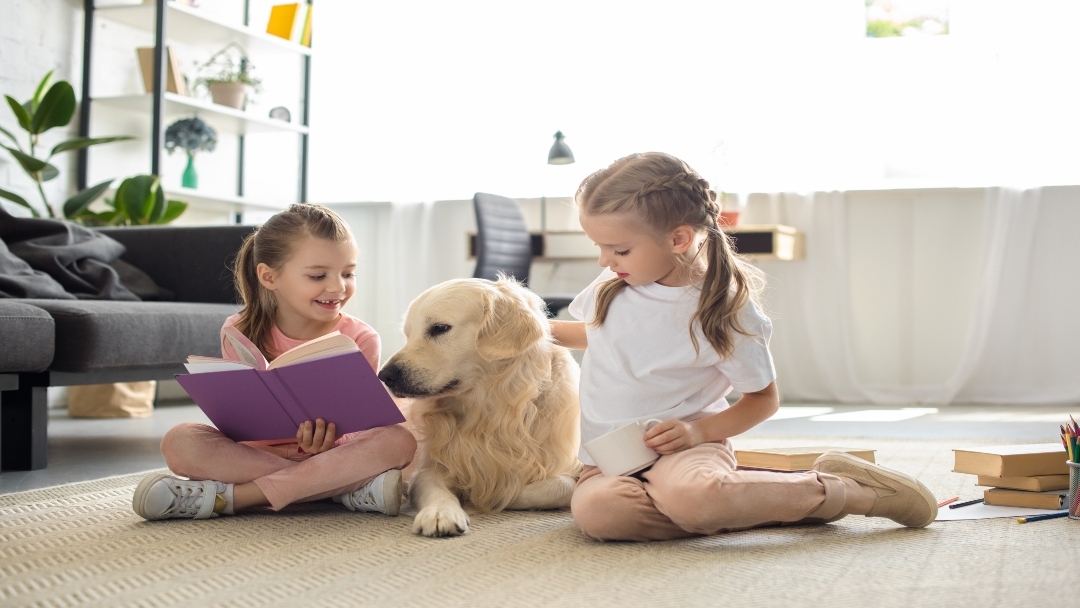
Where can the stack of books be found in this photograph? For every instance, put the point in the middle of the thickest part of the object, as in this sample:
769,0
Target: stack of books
1034,476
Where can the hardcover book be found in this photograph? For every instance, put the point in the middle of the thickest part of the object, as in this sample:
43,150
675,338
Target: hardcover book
1012,460
326,378
1036,483
792,459
1018,498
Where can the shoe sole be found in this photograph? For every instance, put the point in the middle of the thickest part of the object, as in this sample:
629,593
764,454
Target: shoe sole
138,499
860,465
392,487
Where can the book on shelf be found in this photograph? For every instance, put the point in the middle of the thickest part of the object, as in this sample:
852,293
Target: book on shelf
305,33
174,77
1035,483
1025,460
792,459
256,400
1054,499
289,21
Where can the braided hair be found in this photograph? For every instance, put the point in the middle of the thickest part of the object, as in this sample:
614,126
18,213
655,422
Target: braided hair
664,193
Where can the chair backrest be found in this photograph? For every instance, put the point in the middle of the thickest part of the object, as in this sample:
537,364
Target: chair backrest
503,243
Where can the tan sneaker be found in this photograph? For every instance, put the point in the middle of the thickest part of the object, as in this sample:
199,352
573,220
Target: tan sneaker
900,497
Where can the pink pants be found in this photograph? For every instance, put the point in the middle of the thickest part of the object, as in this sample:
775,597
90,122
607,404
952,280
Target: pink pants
198,451
700,492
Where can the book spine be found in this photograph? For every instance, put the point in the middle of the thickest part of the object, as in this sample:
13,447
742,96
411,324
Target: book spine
285,396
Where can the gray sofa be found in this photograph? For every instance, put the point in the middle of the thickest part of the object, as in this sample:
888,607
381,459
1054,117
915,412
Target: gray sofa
47,343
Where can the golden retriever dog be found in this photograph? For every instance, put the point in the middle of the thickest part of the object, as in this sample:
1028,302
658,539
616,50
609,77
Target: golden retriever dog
495,403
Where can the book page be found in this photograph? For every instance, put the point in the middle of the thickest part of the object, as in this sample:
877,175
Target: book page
221,365
333,343
245,349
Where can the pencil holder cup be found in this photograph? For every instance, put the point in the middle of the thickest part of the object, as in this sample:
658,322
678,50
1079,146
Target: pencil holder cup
1073,497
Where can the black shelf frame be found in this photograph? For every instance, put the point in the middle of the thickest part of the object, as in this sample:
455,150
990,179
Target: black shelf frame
158,102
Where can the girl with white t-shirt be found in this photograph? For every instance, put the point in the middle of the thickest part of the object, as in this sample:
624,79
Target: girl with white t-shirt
670,327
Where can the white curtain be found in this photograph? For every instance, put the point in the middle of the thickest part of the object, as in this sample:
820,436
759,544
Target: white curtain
1022,341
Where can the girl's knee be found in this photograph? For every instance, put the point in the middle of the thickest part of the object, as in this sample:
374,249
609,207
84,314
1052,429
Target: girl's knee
603,511
400,443
179,445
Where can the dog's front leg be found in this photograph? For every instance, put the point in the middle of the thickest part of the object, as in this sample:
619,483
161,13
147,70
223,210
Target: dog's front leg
439,511
551,493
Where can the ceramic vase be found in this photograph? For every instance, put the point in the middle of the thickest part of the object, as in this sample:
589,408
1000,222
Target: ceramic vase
190,178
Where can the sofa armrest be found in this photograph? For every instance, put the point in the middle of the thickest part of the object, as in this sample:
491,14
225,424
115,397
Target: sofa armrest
193,262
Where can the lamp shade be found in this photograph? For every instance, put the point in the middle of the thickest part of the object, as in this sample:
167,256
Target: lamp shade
560,153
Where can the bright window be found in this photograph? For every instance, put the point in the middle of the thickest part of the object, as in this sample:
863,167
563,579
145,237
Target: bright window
437,100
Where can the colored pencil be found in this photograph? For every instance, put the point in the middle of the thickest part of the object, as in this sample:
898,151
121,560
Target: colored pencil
947,501
964,504
1030,518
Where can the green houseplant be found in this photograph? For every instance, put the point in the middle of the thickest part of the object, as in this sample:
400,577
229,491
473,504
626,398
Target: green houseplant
139,201
47,109
229,77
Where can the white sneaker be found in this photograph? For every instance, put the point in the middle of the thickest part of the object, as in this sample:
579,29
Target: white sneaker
380,495
163,496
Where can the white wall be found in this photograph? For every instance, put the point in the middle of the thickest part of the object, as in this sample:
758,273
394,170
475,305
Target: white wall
37,36
909,280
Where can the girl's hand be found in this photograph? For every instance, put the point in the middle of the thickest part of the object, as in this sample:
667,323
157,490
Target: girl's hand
673,436
317,437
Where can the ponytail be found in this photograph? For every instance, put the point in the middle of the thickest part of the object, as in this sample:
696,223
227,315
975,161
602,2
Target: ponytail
257,316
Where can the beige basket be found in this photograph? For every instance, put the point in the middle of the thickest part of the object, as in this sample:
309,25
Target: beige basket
119,400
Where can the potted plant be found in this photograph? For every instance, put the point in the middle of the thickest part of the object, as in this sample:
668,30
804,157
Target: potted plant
229,78
45,110
139,201
191,135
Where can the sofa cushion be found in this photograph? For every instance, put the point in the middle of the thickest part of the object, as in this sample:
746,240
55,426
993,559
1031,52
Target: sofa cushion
26,337
94,335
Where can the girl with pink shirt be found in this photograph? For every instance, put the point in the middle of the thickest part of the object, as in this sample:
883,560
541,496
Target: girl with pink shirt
294,275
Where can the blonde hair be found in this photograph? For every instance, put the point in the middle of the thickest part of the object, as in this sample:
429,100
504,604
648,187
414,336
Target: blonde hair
273,244
664,193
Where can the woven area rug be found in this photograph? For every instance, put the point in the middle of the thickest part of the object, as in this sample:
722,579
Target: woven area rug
82,544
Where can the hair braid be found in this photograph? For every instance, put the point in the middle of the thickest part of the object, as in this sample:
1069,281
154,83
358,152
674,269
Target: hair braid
664,193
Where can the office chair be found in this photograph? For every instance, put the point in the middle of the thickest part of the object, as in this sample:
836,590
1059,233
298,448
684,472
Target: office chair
504,245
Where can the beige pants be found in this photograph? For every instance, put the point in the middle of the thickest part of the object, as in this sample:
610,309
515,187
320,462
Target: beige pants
198,451
700,492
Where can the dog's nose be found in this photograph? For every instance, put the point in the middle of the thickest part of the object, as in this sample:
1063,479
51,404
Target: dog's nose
390,375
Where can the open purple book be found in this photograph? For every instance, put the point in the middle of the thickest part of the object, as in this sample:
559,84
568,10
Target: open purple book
248,404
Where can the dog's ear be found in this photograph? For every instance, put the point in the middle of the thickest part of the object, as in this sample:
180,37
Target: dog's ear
510,325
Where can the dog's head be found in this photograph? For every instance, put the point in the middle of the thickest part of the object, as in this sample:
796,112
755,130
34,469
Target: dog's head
460,330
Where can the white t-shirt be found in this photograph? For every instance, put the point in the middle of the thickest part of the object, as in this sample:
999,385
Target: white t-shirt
641,364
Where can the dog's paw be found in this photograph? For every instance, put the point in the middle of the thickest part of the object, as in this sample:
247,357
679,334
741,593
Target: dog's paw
441,520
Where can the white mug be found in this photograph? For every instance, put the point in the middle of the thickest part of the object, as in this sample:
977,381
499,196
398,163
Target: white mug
623,451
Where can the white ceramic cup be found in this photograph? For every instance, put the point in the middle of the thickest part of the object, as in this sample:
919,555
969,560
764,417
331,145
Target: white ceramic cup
623,451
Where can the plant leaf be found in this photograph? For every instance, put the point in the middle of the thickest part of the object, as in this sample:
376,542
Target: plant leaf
18,200
173,211
157,210
55,109
10,136
135,197
36,101
39,170
75,206
49,173
20,113
84,142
